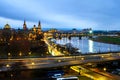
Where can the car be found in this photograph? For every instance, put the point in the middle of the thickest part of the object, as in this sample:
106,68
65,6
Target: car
55,73
68,78
57,76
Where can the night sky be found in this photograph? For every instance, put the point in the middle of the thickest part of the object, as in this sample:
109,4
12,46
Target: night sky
95,14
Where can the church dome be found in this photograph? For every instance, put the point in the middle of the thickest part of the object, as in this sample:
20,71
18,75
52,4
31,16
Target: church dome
7,26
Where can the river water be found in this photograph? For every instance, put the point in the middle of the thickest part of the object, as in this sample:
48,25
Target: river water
86,45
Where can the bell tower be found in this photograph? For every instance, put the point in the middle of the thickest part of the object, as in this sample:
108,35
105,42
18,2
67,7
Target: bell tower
39,26
24,25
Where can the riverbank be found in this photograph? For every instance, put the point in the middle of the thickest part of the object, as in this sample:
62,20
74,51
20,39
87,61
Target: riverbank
107,39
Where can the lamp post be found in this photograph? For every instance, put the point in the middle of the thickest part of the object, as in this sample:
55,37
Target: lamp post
20,54
30,54
9,54
7,66
104,69
33,63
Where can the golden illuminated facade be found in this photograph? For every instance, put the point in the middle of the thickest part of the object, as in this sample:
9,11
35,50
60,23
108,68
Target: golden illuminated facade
36,30
7,26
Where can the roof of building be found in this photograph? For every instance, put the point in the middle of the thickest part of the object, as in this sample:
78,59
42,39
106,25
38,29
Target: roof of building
7,26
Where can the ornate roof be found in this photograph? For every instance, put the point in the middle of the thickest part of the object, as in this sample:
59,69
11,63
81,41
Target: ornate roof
7,26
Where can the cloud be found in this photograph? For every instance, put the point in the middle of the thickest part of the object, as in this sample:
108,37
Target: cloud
71,21
14,23
97,14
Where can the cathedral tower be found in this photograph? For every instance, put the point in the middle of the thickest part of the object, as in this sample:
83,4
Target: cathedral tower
24,25
39,26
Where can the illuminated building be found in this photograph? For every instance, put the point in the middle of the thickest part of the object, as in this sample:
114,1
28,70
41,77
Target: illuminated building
7,26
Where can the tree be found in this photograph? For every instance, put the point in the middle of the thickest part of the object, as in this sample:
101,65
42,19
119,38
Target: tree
17,46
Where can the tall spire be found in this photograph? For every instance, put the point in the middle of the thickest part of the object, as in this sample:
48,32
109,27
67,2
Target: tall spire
39,22
24,22
39,26
24,25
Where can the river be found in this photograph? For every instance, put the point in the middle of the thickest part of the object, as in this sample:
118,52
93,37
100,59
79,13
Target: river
86,45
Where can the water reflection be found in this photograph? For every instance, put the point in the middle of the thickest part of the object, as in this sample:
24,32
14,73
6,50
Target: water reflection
88,46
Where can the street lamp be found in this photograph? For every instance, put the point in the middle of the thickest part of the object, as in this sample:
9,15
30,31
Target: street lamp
20,54
7,65
29,53
33,63
82,58
102,56
9,54
104,69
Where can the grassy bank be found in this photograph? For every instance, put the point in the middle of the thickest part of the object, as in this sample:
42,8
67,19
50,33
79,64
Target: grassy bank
108,39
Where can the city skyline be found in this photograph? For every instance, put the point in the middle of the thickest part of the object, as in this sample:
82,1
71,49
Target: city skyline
95,14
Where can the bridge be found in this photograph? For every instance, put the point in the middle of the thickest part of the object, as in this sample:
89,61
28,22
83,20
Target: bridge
69,35
49,62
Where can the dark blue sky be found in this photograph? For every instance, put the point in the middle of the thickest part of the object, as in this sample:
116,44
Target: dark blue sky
96,14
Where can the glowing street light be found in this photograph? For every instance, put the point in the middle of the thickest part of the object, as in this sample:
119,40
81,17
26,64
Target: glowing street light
102,56
33,63
9,54
11,75
7,65
20,54
82,58
29,53
104,69
59,60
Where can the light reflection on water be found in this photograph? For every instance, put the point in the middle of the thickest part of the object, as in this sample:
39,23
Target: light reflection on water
88,46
